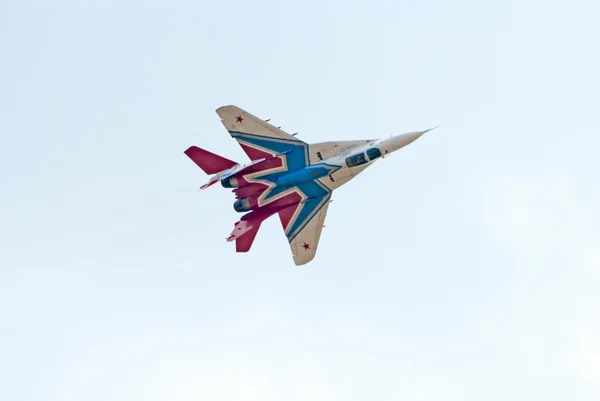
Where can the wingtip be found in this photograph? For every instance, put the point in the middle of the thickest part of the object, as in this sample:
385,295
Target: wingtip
301,260
226,107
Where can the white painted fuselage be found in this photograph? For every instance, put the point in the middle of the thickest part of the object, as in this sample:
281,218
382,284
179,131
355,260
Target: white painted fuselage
353,157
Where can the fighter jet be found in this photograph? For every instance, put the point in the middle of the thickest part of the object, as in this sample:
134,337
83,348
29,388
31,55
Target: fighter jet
287,177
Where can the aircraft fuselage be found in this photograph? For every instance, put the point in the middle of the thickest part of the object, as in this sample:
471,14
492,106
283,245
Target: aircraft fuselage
287,176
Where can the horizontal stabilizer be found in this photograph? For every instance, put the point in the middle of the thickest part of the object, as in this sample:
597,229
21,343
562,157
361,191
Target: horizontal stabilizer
240,228
243,234
209,162
244,243
252,167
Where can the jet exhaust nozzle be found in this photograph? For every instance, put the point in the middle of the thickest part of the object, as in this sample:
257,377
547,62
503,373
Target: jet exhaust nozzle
242,205
230,182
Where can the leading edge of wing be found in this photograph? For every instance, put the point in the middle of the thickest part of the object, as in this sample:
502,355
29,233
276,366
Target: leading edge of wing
236,119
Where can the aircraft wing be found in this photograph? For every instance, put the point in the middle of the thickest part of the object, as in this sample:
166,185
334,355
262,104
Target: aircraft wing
304,234
257,137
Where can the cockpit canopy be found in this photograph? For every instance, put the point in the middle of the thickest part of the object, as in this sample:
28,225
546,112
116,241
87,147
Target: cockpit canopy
363,157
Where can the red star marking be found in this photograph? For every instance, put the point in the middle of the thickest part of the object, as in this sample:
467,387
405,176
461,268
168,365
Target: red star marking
306,246
239,119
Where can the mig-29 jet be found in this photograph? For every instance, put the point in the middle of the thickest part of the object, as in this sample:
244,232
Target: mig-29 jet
287,176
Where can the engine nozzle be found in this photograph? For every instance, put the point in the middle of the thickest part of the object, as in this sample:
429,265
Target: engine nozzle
242,205
230,182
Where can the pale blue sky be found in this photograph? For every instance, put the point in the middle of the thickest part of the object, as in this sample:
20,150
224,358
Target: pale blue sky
465,267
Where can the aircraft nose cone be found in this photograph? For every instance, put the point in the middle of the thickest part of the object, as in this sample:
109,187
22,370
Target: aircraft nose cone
413,136
407,139
399,141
